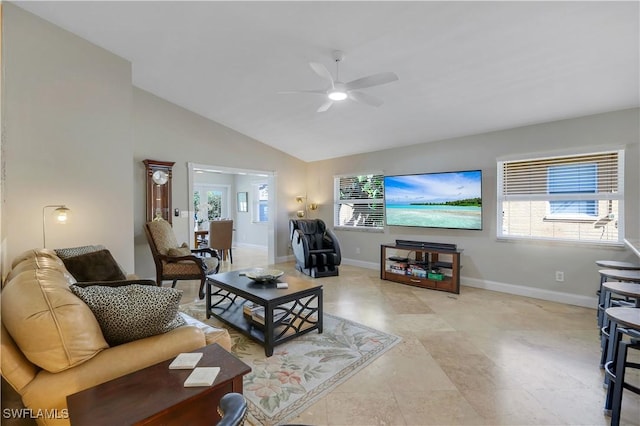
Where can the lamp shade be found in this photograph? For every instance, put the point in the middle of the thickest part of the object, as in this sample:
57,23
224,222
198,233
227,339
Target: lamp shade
61,217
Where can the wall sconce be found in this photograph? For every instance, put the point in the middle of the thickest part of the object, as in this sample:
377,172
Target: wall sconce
300,199
61,215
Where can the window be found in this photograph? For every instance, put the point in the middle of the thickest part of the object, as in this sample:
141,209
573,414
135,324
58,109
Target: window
573,179
210,202
359,201
260,202
572,198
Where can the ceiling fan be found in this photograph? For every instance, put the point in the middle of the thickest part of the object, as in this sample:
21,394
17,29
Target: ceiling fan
338,91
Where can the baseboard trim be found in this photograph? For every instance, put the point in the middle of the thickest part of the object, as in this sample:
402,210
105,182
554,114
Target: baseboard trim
361,263
249,245
536,293
285,259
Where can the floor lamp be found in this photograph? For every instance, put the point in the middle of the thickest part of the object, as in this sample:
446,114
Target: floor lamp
61,215
307,206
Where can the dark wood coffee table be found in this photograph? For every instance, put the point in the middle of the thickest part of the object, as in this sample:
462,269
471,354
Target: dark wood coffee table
298,308
156,395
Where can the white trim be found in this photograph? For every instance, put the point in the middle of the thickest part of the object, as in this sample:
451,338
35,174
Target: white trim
358,174
361,263
536,293
285,259
252,246
562,153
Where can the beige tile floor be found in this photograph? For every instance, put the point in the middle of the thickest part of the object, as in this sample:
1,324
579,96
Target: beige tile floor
480,357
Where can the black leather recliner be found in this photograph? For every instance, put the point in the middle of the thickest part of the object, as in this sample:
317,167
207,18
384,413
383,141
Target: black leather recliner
315,247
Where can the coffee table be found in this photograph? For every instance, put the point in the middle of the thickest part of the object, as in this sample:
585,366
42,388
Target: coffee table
156,395
297,309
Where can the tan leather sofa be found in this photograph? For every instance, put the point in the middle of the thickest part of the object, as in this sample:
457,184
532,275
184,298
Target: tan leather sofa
52,345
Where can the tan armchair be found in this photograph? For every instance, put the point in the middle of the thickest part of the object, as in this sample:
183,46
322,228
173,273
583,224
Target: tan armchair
220,237
175,262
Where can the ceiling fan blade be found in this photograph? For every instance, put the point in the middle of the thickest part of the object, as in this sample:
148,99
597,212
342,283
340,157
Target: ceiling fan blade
372,80
325,106
364,98
313,92
322,71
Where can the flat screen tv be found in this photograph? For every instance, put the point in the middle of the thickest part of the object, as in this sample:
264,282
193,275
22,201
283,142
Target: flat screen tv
451,200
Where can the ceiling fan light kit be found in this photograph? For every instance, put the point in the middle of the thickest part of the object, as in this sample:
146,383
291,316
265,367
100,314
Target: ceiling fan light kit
339,91
337,95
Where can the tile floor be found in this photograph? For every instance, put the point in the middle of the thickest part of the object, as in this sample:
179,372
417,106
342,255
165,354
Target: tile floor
480,357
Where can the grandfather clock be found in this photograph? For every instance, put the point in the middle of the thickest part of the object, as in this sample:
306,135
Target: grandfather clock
158,189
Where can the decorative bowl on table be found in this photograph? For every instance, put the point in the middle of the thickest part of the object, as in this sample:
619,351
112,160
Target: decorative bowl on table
264,275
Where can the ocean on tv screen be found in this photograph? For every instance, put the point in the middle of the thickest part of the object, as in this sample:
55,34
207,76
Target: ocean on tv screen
434,216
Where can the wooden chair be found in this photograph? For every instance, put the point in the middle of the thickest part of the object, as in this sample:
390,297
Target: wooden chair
220,237
175,262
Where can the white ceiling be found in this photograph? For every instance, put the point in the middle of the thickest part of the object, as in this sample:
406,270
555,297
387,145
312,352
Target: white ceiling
464,67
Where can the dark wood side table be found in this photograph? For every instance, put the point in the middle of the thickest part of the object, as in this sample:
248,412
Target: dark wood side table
156,395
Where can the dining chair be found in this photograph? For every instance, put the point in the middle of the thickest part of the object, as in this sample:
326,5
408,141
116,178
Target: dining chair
220,238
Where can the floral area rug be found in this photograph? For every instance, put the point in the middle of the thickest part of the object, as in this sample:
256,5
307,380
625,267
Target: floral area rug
304,369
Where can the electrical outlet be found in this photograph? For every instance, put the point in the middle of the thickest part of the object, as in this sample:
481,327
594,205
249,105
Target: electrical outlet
357,250
559,276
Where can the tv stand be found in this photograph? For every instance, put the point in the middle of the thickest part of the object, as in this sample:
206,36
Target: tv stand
422,264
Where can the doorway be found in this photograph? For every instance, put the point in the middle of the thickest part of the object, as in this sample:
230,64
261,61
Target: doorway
220,187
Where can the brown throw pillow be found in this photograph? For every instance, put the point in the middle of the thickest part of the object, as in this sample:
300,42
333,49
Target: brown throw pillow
96,266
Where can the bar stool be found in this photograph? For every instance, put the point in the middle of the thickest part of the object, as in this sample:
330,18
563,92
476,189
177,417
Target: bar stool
629,274
624,321
625,289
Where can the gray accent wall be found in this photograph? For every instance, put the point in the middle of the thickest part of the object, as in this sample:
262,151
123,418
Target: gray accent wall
521,267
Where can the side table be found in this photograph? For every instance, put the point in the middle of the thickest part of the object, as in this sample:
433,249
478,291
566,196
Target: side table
156,395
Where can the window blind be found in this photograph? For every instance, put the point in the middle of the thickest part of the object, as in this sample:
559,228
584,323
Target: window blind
572,197
359,201
532,176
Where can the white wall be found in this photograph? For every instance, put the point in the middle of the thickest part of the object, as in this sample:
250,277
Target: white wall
66,139
522,267
249,232
164,131
76,132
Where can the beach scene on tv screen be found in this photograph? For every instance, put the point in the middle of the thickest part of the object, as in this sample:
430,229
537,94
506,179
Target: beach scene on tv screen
436,200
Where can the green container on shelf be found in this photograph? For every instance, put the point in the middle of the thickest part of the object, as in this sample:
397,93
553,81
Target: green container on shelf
435,276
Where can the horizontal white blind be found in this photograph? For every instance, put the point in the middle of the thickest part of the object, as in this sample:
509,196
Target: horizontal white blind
571,197
532,176
359,201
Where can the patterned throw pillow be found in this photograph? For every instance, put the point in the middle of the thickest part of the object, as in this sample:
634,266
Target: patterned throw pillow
64,253
132,312
183,250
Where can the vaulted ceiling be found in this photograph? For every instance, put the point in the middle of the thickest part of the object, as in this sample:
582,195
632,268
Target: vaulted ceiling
463,67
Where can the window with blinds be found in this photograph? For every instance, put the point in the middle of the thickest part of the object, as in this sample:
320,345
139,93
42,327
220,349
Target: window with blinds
359,201
573,198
